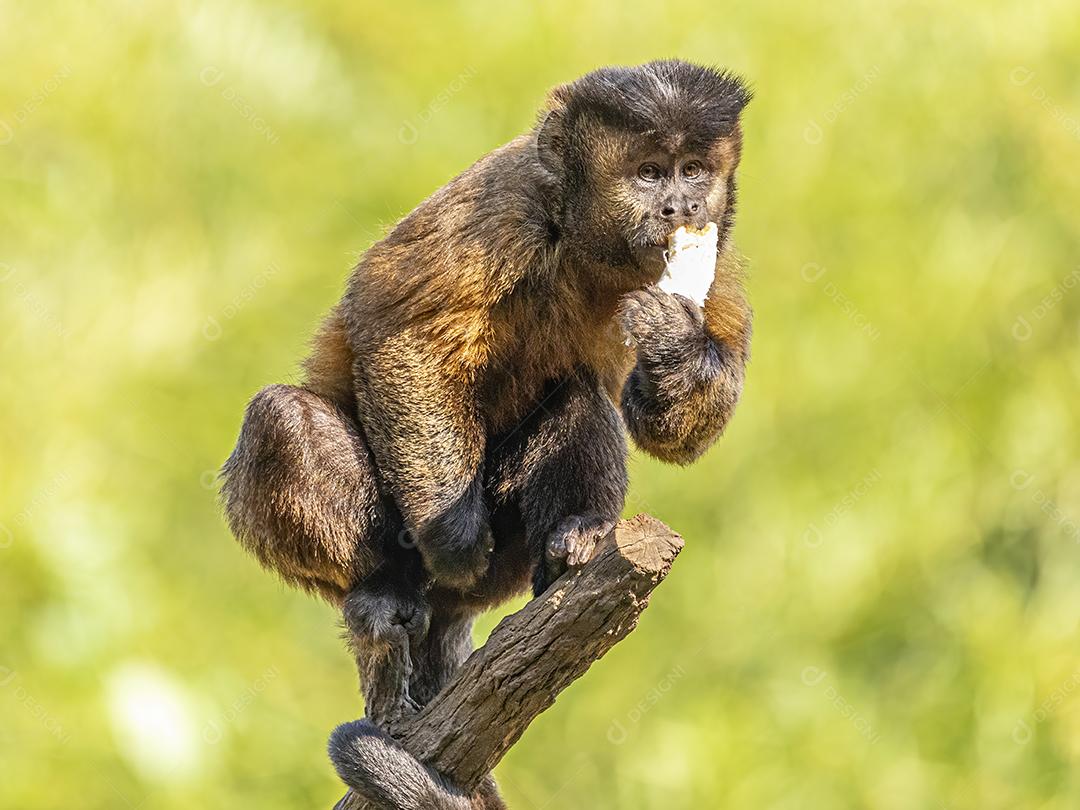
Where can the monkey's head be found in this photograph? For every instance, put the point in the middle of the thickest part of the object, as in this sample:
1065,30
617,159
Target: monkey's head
637,152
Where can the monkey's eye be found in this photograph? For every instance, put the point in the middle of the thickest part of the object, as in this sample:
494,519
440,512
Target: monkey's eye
649,172
693,169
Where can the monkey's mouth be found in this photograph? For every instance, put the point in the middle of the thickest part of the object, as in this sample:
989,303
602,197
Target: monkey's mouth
651,234
648,238
648,243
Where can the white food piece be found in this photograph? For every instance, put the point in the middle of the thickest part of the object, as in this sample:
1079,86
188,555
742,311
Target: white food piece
691,262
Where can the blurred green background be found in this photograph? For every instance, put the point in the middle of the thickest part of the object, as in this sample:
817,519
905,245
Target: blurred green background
878,603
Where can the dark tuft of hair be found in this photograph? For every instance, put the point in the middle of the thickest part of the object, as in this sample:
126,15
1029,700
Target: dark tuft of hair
662,97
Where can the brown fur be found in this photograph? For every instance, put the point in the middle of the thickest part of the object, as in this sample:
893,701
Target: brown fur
459,416
303,491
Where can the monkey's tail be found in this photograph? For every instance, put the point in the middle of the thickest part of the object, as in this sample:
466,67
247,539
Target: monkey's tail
384,773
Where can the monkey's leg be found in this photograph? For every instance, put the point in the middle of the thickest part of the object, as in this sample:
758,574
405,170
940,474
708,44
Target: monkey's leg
439,655
565,466
300,492
420,418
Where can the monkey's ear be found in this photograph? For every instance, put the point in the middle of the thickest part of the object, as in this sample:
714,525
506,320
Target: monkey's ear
551,142
551,134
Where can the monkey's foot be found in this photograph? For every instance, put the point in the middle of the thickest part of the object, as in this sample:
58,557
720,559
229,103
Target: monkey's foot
381,615
571,545
385,628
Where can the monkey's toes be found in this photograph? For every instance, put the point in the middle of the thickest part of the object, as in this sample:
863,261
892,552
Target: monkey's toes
574,541
403,709
415,617
582,542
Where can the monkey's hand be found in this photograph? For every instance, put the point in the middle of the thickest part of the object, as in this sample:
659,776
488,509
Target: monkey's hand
451,533
690,369
457,543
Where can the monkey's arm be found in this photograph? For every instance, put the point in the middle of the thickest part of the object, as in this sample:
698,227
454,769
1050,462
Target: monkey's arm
421,423
690,368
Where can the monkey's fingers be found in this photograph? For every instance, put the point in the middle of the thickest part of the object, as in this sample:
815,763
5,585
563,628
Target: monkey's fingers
573,542
634,316
582,542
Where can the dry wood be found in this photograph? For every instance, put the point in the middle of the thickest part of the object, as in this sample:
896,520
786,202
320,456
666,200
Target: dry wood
536,653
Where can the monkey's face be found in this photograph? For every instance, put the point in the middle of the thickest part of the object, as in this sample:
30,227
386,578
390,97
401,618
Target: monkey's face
669,190
639,152
639,188
665,188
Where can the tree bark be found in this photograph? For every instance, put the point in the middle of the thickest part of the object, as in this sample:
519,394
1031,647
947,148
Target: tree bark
534,654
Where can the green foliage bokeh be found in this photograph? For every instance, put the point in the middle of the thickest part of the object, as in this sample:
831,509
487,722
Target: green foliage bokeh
877,605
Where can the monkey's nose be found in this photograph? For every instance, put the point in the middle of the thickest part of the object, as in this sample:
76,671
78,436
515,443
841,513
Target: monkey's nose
684,212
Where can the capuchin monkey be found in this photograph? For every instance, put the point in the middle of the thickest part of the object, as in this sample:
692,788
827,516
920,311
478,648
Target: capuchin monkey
458,433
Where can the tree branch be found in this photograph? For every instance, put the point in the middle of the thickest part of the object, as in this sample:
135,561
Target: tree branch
530,658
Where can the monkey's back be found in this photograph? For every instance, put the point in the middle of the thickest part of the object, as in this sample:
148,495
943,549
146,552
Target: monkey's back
474,281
